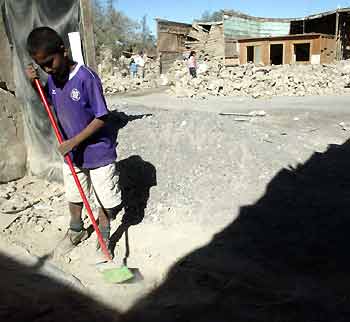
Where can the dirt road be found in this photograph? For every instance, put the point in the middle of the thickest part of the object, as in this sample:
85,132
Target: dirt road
188,171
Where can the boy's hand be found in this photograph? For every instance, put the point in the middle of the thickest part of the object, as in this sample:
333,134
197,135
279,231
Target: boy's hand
67,146
31,72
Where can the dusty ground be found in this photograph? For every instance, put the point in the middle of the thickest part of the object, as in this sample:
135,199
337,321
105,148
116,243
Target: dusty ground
194,170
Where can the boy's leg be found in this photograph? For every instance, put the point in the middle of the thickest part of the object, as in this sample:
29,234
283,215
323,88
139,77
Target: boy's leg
76,222
105,184
104,225
76,232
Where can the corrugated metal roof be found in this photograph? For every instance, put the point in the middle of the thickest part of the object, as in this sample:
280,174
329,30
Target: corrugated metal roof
159,20
237,27
234,14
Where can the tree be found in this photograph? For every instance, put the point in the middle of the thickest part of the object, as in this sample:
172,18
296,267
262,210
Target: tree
207,16
115,30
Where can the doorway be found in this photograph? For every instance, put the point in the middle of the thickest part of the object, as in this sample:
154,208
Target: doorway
276,54
250,54
302,52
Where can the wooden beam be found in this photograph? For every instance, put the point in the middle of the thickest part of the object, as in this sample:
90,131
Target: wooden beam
337,54
88,33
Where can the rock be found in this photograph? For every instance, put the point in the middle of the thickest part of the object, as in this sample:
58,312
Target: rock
257,113
202,68
7,219
39,229
12,148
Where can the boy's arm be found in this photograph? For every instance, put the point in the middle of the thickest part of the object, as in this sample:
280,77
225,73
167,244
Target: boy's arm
92,128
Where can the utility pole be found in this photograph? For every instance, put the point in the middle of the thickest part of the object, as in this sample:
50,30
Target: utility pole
88,33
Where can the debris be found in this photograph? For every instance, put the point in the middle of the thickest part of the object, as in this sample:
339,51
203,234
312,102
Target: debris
257,113
14,210
7,219
39,229
250,80
116,77
250,114
344,126
268,141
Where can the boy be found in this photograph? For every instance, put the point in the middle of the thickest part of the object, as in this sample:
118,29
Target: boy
76,95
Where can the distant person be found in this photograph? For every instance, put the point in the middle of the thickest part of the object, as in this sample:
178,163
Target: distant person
192,64
140,63
133,68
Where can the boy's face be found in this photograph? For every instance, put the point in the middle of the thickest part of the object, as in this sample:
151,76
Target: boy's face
54,64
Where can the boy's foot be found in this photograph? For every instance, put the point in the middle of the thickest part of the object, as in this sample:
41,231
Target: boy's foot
72,238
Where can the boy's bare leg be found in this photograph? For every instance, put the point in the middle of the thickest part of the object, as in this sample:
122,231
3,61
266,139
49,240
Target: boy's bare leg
104,224
76,222
105,228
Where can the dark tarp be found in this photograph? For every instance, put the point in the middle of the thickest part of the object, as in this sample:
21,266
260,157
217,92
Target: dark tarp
20,17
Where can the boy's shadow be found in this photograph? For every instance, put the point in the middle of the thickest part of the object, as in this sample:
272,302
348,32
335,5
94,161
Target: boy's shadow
136,177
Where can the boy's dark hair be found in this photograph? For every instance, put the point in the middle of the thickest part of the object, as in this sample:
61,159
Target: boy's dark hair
192,53
45,39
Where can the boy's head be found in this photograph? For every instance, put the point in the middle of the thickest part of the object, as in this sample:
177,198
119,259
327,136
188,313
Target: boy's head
47,49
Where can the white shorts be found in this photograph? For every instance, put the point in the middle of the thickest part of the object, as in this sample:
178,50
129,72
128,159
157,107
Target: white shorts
102,181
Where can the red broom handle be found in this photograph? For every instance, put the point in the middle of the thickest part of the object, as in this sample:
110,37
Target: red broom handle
71,167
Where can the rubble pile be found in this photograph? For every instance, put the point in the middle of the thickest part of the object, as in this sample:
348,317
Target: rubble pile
216,79
116,77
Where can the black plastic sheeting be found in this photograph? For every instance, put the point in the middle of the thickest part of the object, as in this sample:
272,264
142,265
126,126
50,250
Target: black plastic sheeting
20,17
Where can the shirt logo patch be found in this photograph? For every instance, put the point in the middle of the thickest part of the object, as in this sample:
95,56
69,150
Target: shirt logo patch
75,95
53,92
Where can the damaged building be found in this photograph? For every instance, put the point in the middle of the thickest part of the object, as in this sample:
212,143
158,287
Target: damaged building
240,38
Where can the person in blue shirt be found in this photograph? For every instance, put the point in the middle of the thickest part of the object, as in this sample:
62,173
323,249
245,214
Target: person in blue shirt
133,68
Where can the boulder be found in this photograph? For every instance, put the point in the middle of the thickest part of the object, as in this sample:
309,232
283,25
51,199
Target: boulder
12,147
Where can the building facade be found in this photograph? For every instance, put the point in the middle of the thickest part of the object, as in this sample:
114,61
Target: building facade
240,38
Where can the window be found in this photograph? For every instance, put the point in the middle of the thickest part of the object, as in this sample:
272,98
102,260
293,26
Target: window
254,54
302,52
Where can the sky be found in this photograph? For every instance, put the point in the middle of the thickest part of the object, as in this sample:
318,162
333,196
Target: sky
188,10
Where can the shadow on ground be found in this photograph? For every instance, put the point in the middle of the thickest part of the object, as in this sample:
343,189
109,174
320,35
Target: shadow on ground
136,178
27,295
286,258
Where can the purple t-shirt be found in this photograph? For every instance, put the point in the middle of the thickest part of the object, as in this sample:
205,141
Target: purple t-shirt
77,104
